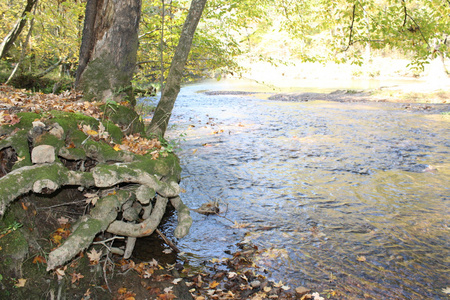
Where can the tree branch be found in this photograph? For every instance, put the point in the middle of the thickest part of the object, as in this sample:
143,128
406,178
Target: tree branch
9,40
350,42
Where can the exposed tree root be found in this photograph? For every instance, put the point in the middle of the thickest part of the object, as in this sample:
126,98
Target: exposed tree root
133,189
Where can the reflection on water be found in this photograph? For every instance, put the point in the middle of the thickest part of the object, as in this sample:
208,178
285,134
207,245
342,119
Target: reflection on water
357,194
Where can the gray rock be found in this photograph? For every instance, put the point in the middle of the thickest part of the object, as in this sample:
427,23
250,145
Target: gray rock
57,131
43,154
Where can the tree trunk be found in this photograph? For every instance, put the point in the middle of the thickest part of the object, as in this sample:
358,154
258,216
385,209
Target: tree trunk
9,40
108,50
170,92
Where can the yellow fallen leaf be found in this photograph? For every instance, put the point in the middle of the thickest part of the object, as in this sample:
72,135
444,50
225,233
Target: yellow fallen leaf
57,238
91,132
361,258
213,284
117,147
21,283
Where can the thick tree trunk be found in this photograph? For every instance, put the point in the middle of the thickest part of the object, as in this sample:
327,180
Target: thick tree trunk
9,40
170,92
108,50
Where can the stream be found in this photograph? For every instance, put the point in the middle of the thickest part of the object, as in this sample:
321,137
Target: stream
349,196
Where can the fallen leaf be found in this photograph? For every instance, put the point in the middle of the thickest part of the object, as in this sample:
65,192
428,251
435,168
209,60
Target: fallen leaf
60,272
446,290
94,256
239,225
92,200
39,259
153,263
316,296
24,206
278,284
21,283
87,294
167,251
62,220
361,258
176,280
213,284
57,239
148,273
76,277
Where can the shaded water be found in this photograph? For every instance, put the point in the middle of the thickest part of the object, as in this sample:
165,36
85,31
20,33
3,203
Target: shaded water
330,183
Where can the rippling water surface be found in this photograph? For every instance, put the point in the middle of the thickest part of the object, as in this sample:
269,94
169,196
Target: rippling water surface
330,183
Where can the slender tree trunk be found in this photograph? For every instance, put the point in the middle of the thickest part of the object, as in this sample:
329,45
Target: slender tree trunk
171,89
22,53
161,45
109,49
9,40
87,39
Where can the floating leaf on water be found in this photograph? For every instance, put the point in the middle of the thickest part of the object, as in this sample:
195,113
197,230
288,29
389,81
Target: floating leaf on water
361,258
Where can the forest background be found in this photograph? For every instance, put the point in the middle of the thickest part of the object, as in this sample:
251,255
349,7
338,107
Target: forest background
372,38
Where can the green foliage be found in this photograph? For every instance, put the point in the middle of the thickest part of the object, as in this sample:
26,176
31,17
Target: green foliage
11,227
217,41
340,30
274,31
56,35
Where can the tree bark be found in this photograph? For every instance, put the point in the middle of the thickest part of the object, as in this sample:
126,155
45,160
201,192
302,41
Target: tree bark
109,49
9,40
171,89
22,53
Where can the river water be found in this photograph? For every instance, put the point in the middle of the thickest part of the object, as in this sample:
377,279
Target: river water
351,197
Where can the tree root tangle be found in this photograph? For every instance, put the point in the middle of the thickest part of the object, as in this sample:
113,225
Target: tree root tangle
133,190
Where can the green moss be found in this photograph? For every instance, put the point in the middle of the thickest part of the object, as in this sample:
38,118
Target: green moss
123,116
20,145
54,172
14,245
94,80
73,153
26,119
114,131
49,139
103,152
69,121
168,167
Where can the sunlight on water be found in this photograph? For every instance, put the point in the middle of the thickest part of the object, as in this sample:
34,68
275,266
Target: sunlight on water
357,193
